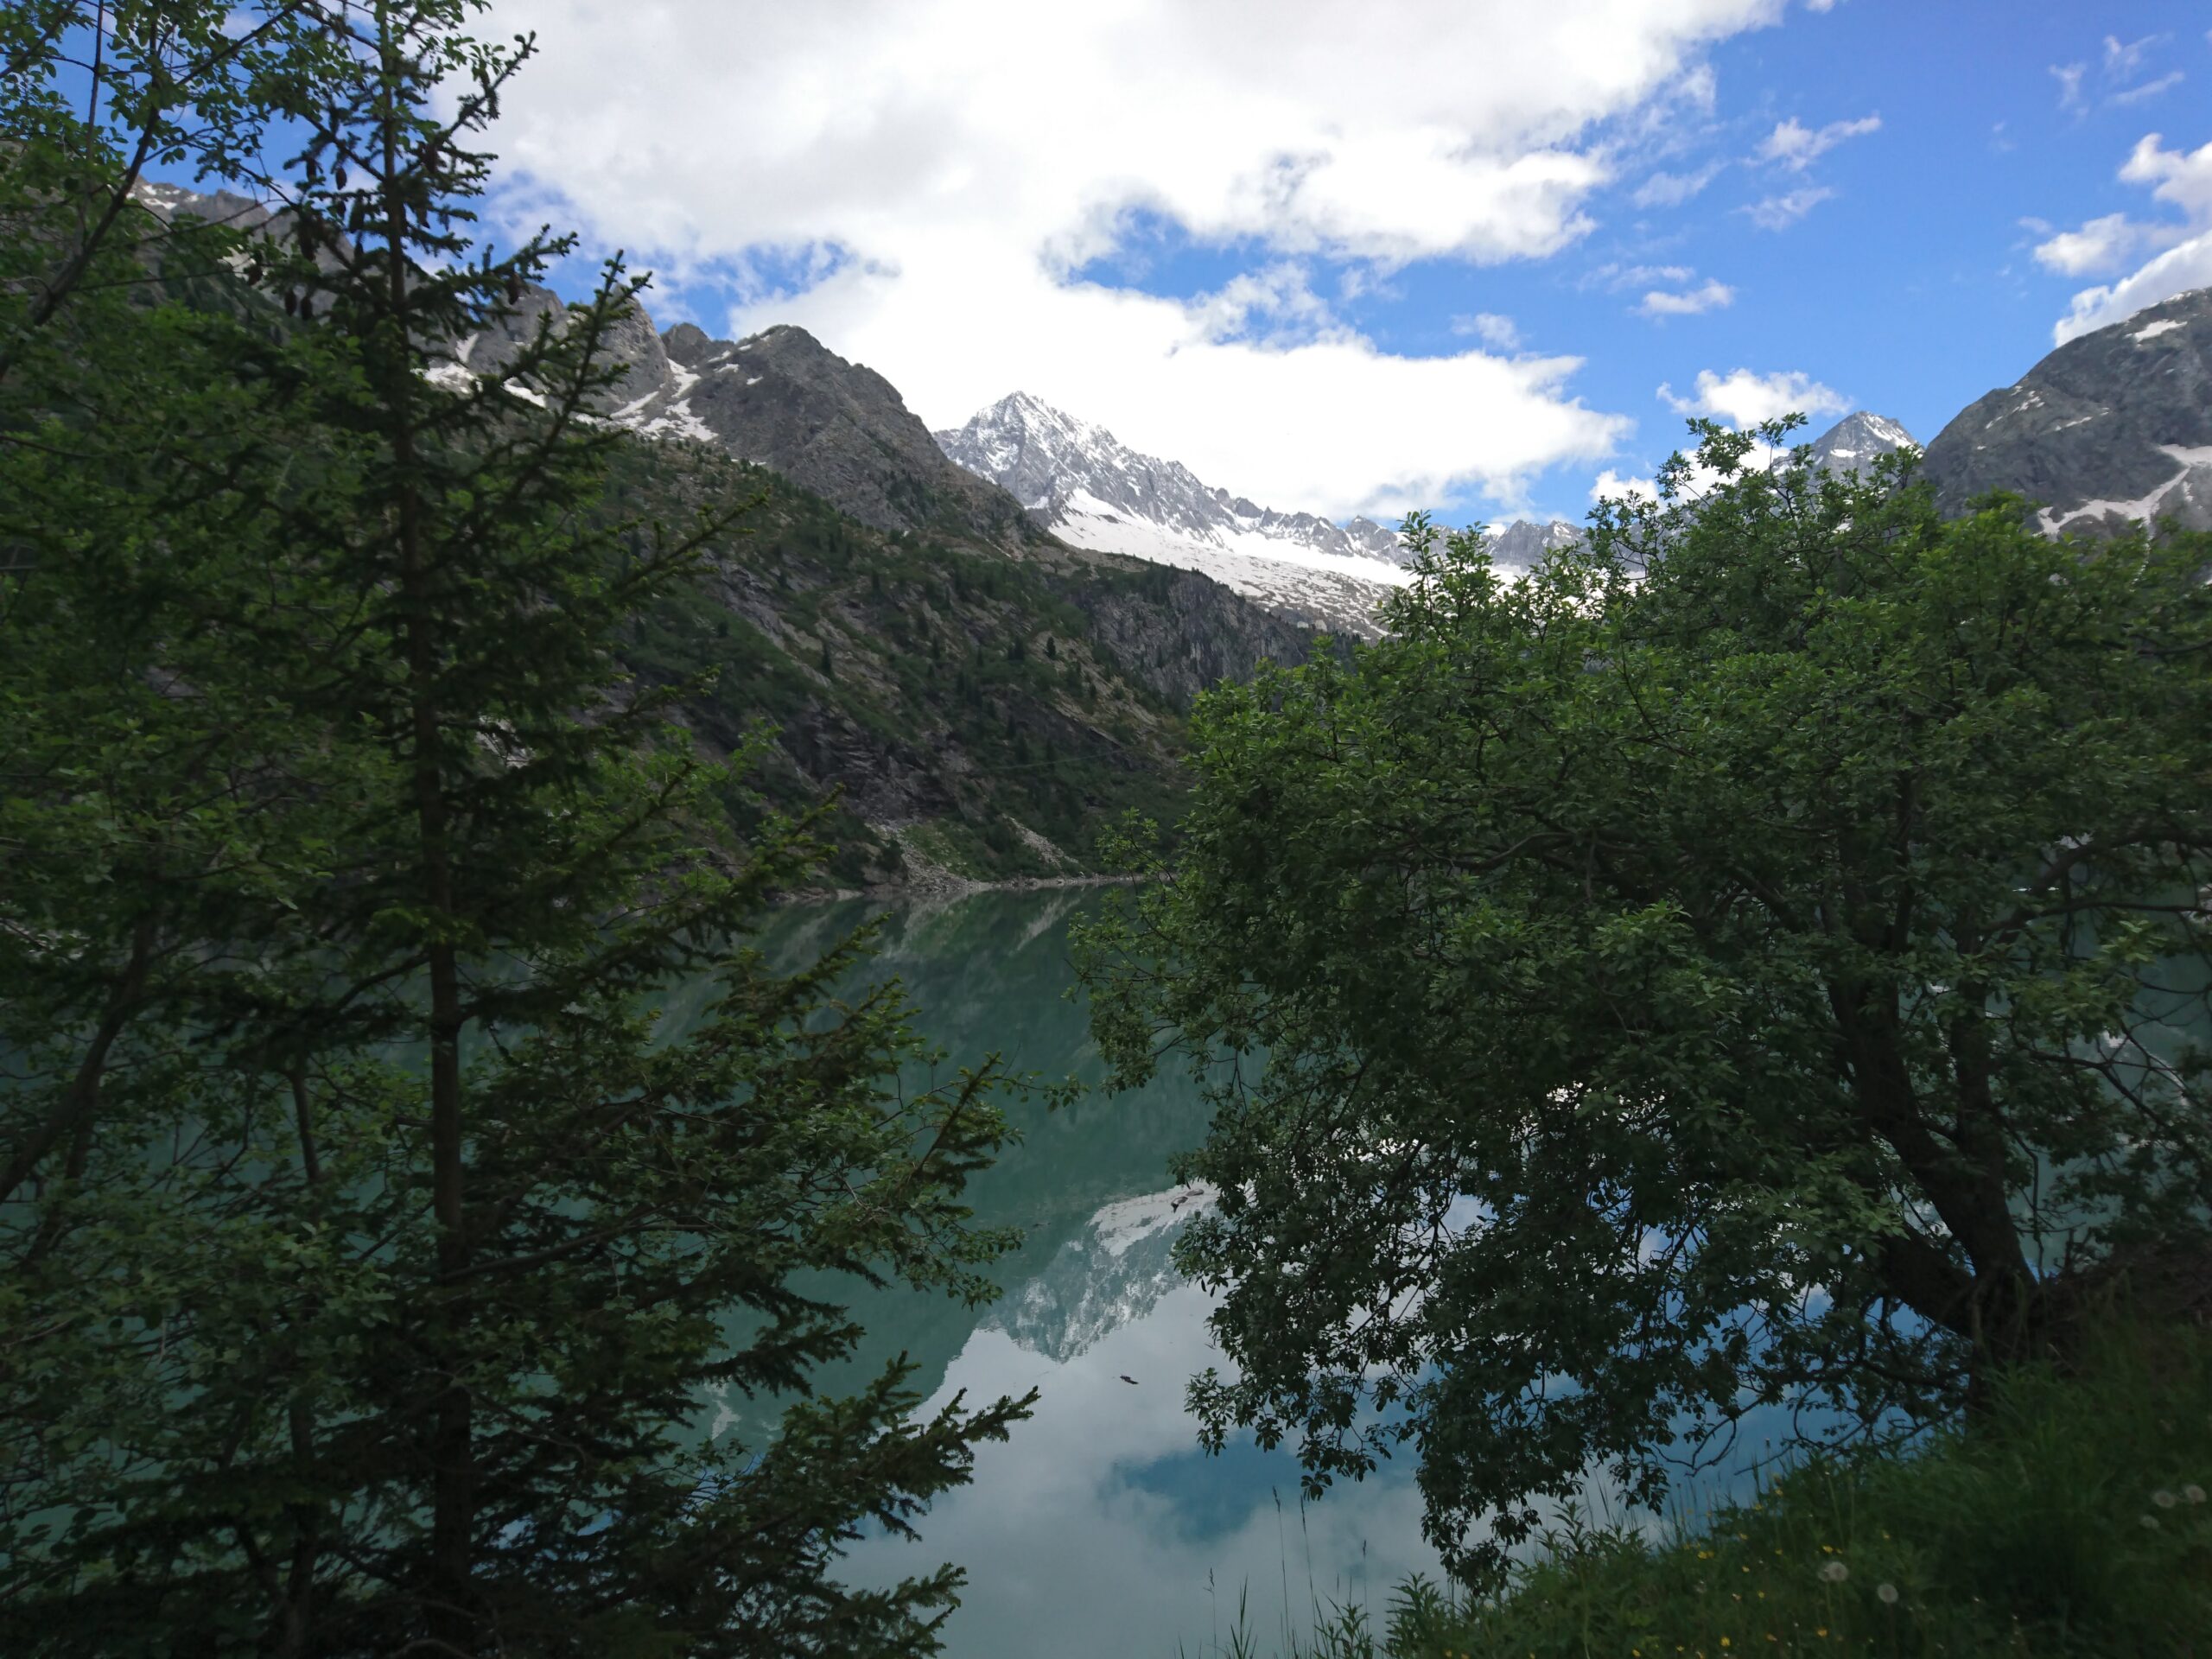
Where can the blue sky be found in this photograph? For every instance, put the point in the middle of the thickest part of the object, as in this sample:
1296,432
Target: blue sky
1911,290
1363,256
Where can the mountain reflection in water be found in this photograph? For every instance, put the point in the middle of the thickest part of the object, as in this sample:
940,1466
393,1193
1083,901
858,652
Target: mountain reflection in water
1099,1528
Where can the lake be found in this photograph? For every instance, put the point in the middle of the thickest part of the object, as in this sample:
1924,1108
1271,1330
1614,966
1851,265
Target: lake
1100,1529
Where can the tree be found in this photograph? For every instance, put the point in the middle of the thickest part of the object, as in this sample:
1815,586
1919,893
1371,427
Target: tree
1753,959
375,1267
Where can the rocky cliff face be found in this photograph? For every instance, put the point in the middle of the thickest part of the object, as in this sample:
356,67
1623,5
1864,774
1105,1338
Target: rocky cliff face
785,401
1177,632
2111,427
1525,541
1057,464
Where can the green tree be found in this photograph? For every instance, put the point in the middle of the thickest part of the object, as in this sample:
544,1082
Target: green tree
375,1268
1753,959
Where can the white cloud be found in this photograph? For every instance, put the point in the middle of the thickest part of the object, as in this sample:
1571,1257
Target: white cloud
2180,178
2175,271
1795,146
2069,84
2150,89
1615,277
1673,190
1743,399
1612,485
2100,245
1491,328
1780,212
966,159
1713,296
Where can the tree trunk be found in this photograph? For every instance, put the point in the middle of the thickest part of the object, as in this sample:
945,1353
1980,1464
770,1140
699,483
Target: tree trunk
450,1614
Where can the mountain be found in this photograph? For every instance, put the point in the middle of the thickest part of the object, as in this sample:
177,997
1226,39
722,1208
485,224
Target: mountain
980,696
2110,427
1523,541
1852,444
1093,491
975,696
1111,1274
784,400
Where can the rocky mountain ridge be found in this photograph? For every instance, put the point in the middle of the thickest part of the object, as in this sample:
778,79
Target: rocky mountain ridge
1093,491
975,696
1051,459
2111,427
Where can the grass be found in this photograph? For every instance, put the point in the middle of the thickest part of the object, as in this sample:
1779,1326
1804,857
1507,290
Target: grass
2073,1521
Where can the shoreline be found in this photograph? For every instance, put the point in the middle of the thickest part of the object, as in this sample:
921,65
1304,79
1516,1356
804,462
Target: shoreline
940,886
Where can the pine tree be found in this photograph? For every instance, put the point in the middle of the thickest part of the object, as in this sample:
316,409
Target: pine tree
447,1254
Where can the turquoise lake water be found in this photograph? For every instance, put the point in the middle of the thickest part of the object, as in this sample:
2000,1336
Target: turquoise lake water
1101,1529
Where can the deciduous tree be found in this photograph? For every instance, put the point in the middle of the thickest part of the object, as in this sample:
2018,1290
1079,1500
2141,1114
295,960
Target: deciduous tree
1758,958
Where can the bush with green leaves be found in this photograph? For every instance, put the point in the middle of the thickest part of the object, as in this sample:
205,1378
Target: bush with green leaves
2073,1523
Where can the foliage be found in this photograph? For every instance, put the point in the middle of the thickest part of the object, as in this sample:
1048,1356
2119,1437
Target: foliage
371,1268
2073,1523
1751,960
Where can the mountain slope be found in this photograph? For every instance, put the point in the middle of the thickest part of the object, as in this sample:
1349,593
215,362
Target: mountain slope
785,401
971,716
978,696
2110,427
1095,492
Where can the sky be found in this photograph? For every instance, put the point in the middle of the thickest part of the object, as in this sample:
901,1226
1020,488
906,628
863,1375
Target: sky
1478,256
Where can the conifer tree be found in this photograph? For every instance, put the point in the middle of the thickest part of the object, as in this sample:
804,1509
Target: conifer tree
391,1294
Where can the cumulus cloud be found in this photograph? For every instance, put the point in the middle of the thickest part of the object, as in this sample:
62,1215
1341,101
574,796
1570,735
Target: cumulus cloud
1795,146
2181,180
2100,245
2069,76
1743,399
1712,296
951,178
2175,271
1780,212
1609,486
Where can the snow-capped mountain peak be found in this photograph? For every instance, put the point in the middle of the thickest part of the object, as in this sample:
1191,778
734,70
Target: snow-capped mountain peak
1852,442
1094,491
